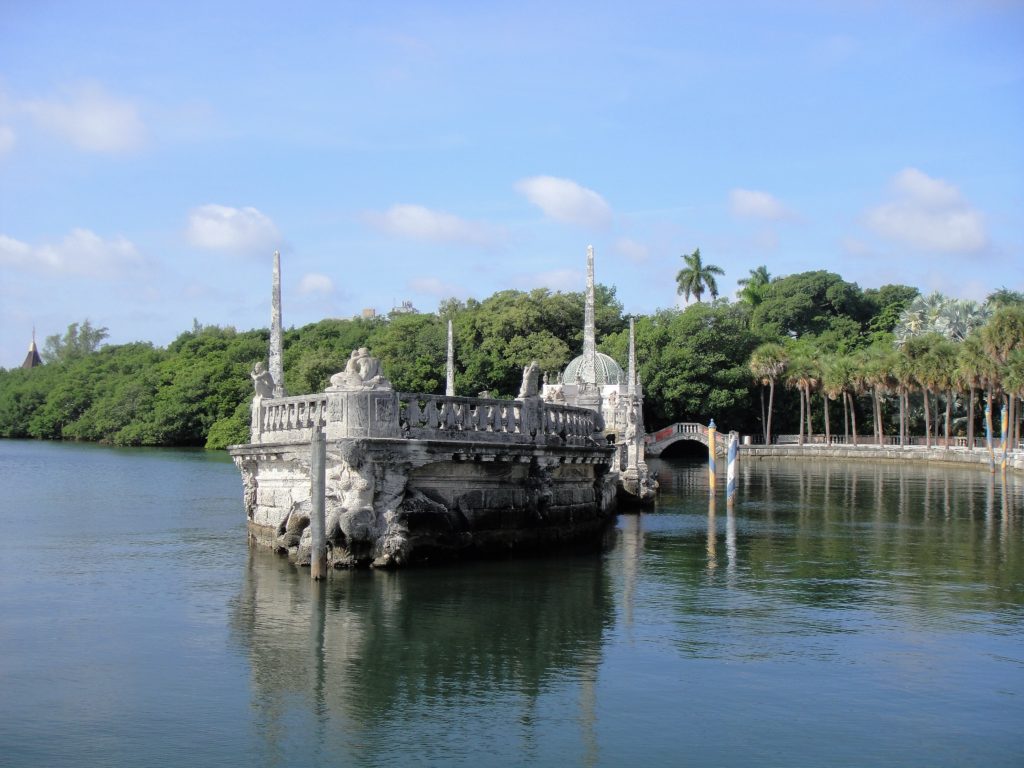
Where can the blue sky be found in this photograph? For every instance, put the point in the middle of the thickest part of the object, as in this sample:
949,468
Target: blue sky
153,156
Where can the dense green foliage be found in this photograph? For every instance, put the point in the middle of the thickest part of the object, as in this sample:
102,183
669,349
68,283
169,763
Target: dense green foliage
812,334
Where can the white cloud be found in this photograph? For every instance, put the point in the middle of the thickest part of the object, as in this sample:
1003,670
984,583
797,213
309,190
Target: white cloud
6,139
82,252
432,286
416,222
91,119
14,253
929,215
236,230
631,249
752,204
566,201
313,282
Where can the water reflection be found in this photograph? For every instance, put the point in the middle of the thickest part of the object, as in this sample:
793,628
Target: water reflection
822,567
368,654
832,534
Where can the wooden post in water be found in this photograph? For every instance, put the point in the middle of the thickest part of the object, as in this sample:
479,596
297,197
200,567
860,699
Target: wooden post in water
317,514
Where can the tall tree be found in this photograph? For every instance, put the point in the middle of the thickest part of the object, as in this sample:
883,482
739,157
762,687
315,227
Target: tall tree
1001,337
971,367
768,363
802,374
79,339
697,277
752,288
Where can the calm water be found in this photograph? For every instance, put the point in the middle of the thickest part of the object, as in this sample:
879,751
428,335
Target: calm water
843,615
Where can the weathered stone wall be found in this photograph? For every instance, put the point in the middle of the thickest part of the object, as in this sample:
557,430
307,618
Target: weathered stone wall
392,501
977,457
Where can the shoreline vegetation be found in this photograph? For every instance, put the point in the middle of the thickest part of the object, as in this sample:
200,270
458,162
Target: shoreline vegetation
805,354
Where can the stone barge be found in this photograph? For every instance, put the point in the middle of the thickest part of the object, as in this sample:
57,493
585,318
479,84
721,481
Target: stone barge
413,478
396,478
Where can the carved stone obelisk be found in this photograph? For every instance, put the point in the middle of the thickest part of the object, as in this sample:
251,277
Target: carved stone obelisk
589,332
631,382
449,388
276,356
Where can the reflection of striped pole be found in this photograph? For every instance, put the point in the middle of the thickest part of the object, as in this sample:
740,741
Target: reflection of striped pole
711,454
988,438
730,477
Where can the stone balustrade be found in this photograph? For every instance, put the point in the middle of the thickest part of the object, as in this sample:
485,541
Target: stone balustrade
287,419
434,417
443,417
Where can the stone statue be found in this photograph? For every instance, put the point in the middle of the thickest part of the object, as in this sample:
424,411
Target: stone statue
262,381
531,374
361,372
554,394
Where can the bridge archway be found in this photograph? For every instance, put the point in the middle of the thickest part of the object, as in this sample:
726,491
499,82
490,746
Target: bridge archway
691,432
684,448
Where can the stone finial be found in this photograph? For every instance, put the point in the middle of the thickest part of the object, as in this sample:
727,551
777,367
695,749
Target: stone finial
361,372
589,331
276,356
449,388
631,382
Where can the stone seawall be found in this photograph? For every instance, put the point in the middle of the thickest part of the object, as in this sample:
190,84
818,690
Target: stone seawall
977,457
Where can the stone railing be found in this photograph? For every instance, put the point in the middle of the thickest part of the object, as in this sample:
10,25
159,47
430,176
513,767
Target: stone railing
869,440
431,417
287,419
443,417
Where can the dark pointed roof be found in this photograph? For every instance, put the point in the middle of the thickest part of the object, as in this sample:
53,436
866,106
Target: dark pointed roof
32,359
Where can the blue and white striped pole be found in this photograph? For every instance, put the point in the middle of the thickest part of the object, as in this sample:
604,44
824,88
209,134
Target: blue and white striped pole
730,481
988,438
711,455
1003,427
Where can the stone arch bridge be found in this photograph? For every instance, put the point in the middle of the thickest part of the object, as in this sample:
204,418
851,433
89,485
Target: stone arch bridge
656,442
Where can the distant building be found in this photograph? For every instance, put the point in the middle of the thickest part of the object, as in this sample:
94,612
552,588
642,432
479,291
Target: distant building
406,308
369,313
32,359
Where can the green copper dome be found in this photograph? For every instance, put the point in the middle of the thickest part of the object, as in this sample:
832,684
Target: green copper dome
607,371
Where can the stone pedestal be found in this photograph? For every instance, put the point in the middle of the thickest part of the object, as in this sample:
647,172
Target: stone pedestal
361,412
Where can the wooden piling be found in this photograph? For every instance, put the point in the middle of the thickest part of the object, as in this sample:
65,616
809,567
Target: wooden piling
317,515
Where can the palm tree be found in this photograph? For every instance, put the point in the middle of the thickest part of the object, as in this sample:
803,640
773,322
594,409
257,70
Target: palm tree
802,373
876,370
767,363
920,362
903,373
944,361
1001,337
1013,385
971,367
956,320
697,277
832,384
837,380
752,288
